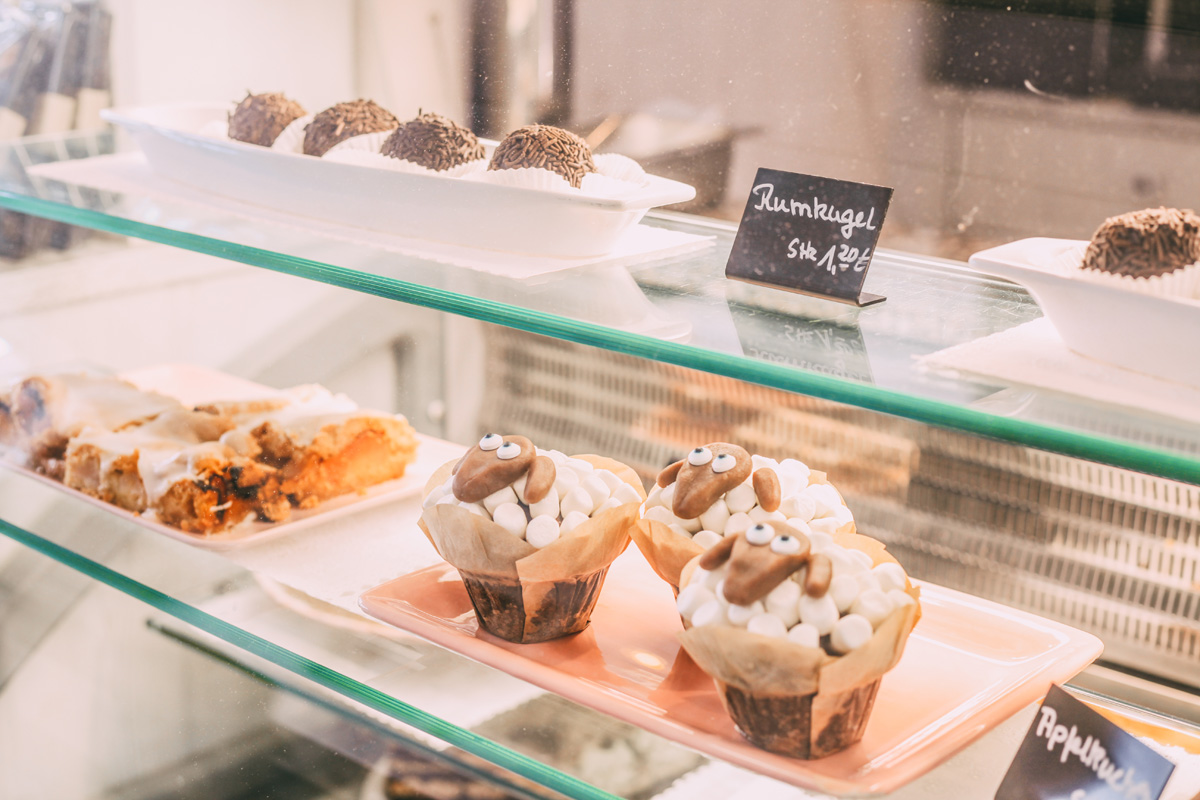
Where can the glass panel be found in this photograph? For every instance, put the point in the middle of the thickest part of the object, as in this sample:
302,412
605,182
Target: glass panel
864,357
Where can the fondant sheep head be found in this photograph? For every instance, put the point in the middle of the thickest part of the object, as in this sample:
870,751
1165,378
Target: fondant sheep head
712,470
497,461
764,556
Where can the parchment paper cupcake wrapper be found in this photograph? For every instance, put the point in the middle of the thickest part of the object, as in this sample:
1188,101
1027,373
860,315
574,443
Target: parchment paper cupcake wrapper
550,581
291,138
564,607
668,552
1183,282
784,723
772,676
369,142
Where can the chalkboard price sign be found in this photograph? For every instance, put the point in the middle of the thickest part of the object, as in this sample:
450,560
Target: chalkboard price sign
1073,753
809,234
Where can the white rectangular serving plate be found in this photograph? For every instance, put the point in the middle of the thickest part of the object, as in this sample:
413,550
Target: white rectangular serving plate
1152,335
461,212
194,385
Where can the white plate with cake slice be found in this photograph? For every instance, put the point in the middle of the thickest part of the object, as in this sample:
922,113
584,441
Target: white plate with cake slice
1146,333
459,211
193,385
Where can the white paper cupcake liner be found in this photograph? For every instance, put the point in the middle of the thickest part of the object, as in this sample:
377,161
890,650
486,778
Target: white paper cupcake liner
403,165
291,138
1184,282
370,142
526,177
622,168
217,129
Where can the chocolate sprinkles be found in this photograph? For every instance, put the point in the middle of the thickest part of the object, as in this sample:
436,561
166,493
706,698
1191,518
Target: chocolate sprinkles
341,122
434,142
1146,243
546,147
260,118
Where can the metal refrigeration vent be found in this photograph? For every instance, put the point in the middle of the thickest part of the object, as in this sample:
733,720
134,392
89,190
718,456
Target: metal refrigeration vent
1104,549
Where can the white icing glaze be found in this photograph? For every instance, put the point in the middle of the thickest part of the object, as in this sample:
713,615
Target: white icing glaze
699,456
508,451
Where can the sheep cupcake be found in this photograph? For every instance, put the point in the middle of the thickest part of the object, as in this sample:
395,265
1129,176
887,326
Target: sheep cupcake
797,631
720,490
532,532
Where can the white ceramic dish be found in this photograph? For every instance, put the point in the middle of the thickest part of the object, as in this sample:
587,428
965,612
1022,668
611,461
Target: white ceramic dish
462,212
195,385
1153,335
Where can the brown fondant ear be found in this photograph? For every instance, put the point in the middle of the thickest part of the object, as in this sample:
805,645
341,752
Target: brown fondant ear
539,480
668,475
718,554
766,489
820,573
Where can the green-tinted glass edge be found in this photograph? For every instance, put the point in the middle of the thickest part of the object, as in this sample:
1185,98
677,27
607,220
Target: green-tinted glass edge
1031,434
373,698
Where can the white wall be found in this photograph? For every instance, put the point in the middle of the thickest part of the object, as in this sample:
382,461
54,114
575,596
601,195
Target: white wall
215,50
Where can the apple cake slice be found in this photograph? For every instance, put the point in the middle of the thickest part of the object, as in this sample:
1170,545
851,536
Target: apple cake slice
43,412
321,443
176,467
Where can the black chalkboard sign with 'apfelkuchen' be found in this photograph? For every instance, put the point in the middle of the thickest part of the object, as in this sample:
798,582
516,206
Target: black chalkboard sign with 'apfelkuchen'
809,234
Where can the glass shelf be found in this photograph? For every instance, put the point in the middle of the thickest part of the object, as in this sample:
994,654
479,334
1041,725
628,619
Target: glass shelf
862,357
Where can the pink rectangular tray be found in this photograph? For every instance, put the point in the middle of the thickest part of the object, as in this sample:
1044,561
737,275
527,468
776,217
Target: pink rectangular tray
969,665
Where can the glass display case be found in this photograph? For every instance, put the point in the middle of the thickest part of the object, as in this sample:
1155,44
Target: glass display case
250,669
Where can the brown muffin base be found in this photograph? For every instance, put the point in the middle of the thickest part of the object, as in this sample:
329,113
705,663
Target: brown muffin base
783,723
565,608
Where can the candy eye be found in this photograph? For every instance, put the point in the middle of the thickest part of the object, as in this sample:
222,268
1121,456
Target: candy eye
760,534
508,450
700,456
491,441
723,463
785,545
